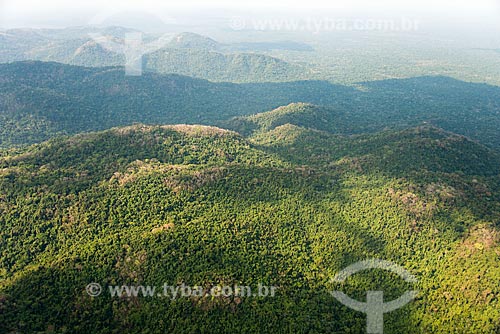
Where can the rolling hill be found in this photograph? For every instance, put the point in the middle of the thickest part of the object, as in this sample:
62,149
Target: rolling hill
221,67
189,40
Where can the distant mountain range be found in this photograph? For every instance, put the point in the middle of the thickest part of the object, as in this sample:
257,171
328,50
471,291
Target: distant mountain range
189,40
186,53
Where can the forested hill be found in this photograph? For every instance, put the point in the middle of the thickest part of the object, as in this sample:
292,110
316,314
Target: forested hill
203,206
189,40
221,67
39,100
472,116
300,114
416,151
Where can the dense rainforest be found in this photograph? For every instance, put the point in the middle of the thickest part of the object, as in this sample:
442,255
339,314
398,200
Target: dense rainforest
251,161
287,206
39,100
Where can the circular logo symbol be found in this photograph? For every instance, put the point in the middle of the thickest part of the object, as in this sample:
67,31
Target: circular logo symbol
94,289
237,23
374,307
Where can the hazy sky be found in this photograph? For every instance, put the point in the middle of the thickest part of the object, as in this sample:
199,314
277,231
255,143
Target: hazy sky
17,13
449,5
